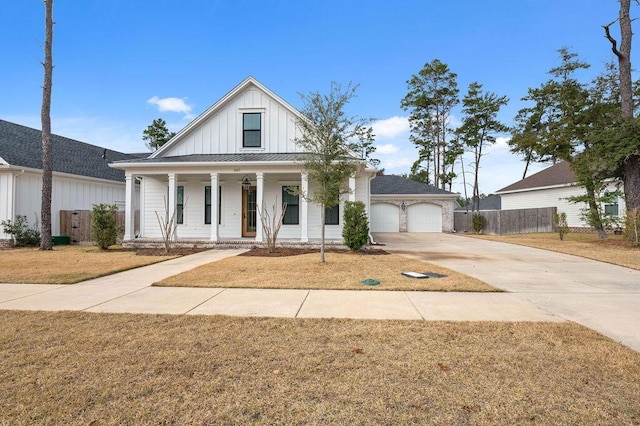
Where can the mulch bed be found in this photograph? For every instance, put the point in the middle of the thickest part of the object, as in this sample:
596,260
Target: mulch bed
297,251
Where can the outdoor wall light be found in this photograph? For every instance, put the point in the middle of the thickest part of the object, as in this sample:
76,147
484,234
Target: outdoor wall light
246,183
403,206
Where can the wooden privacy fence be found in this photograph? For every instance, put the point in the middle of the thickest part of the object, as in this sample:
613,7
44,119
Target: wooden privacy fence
501,222
76,224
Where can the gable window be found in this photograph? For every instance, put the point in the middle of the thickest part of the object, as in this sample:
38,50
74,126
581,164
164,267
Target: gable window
251,122
292,214
180,206
332,215
207,205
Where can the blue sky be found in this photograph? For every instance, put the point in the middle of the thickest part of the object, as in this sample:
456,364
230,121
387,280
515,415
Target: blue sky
120,64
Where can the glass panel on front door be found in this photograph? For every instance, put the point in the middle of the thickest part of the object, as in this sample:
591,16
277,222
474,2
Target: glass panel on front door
249,213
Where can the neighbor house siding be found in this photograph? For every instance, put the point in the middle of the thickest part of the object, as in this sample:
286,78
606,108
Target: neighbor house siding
222,133
6,200
553,197
66,194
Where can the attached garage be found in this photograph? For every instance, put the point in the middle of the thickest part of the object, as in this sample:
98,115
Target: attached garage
385,217
424,217
404,205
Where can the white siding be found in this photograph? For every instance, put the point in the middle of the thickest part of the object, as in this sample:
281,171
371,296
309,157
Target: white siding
6,200
67,194
153,196
553,197
222,132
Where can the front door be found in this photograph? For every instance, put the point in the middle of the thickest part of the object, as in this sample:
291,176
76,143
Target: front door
249,212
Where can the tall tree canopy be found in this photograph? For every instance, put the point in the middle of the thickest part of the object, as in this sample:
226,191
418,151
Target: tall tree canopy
433,93
479,128
335,144
572,121
157,134
45,116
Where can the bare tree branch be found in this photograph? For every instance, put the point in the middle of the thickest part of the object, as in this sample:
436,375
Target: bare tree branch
614,43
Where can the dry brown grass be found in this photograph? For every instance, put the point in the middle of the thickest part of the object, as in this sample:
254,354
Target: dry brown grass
66,264
613,250
79,368
341,271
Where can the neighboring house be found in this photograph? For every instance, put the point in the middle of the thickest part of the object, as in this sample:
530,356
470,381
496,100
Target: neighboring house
81,175
215,174
404,205
550,188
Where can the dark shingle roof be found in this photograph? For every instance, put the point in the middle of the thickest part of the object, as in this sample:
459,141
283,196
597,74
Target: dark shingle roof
22,146
391,184
558,174
216,158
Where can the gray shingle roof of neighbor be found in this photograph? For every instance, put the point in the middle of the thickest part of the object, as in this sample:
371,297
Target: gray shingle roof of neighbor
392,184
558,174
21,146
216,158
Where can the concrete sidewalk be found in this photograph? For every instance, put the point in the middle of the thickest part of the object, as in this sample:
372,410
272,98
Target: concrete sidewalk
131,291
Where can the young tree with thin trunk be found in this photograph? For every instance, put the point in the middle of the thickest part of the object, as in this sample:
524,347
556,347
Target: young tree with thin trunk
331,141
479,128
47,161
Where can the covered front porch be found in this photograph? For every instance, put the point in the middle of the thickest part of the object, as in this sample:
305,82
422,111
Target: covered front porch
222,208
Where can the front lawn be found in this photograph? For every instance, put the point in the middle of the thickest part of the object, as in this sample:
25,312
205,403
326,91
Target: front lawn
79,368
613,250
341,271
66,264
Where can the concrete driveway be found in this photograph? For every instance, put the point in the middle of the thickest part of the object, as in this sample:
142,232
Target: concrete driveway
598,295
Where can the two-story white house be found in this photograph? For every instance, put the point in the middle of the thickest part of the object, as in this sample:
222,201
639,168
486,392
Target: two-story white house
217,172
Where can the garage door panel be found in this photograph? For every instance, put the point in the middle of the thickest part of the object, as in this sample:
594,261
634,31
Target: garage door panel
385,218
424,217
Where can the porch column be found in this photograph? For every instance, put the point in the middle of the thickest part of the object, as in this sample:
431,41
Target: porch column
304,208
129,207
214,207
259,198
171,202
352,188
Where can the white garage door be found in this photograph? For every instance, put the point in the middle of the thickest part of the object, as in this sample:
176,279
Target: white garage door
424,217
384,218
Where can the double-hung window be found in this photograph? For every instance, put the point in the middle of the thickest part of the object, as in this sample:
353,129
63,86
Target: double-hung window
180,206
332,215
291,198
207,205
251,130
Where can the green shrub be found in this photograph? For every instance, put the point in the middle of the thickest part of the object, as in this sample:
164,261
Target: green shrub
23,234
561,225
479,222
104,230
355,230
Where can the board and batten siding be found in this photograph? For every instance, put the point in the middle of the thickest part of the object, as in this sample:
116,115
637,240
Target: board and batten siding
6,200
554,197
222,133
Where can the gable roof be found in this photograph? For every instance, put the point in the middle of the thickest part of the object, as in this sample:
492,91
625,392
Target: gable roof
247,82
557,175
392,184
21,146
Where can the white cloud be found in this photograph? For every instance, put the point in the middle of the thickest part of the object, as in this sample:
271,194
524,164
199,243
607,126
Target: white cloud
172,105
502,144
391,127
388,148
